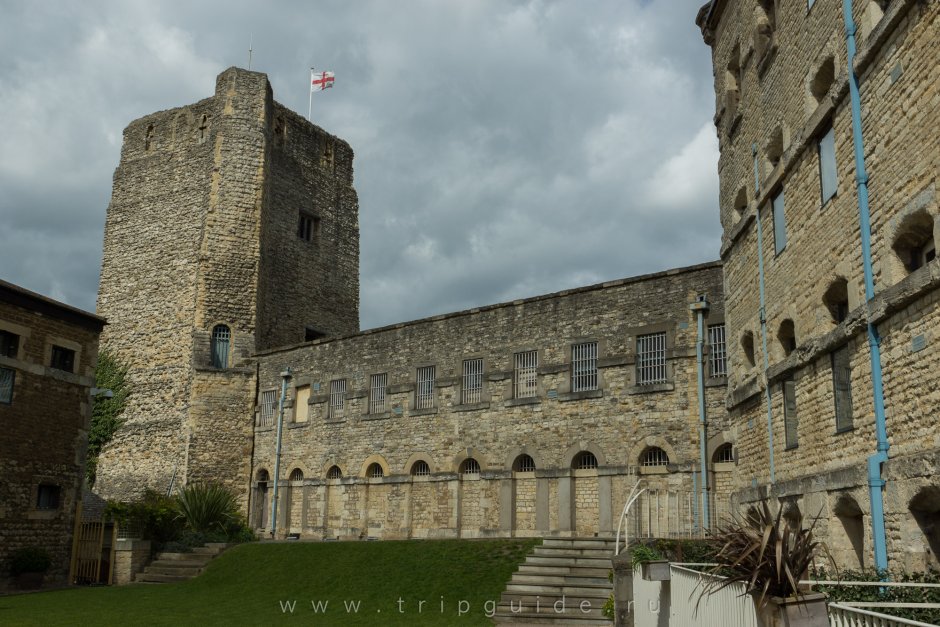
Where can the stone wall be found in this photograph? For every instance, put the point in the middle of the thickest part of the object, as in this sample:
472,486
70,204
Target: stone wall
45,426
790,89
615,422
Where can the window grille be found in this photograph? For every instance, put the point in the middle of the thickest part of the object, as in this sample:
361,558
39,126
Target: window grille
525,463
9,343
724,454
334,473
375,471
585,460
717,354
420,469
525,375
472,390
584,367
470,466
842,388
307,226
377,386
790,421
654,456
221,338
63,359
651,358
337,397
296,475
268,403
424,394
7,377
263,476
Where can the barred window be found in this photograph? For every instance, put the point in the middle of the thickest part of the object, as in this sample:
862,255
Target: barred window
268,403
654,456
585,460
296,475
337,397
524,463
584,367
842,388
420,469
375,471
334,473
377,385
790,422
472,389
424,394
724,454
470,466
651,358
221,338
717,351
525,375
7,377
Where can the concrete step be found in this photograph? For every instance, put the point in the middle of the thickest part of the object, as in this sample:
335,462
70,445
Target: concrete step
155,578
185,557
183,571
580,543
207,550
572,569
591,610
557,591
559,551
549,600
171,566
573,560
559,580
179,563
533,618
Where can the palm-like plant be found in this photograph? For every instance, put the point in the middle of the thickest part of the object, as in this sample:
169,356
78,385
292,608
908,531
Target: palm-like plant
207,506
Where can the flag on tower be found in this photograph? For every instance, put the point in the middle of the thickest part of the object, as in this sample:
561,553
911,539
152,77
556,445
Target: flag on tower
320,81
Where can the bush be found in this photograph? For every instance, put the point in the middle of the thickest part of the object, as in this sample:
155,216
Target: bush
887,594
207,507
644,553
155,515
31,559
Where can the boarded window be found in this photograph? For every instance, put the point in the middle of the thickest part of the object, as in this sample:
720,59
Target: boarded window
302,404
424,394
790,422
337,398
525,374
717,351
472,389
584,367
828,178
377,386
842,388
780,223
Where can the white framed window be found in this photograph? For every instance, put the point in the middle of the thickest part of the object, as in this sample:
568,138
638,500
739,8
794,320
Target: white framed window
654,456
377,386
268,404
717,351
337,397
780,223
828,178
472,389
424,392
525,374
584,367
651,358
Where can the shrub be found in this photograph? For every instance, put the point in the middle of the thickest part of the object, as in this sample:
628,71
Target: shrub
888,594
30,559
155,515
207,507
644,553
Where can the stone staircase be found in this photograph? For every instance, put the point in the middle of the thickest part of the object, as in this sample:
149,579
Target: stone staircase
170,567
554,581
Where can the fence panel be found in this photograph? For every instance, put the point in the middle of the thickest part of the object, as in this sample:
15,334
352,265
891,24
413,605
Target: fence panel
689,604
845,616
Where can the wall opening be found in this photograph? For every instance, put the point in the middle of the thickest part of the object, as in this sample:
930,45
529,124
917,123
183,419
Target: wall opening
740,202
822,81
524,463
724,454
852,521
925,507
469,467
747,346
786,335
375,471
836,300
420,469
334,473
653,456
774,150
914,242
585,460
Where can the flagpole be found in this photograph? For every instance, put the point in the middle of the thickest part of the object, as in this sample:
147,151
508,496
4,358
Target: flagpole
310,104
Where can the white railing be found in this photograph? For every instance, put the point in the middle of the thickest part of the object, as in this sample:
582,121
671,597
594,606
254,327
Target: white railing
690,604
842,615
674,514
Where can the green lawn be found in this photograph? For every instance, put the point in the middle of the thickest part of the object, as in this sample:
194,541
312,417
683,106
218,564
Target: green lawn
256,584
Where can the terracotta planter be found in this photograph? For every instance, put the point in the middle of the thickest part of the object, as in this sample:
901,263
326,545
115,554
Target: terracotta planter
655,570
29,581
809,610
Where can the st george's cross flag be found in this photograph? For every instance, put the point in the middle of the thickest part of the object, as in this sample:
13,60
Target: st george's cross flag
320,81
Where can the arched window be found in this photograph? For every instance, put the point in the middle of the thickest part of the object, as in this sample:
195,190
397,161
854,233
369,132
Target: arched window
420,469
470,466
221,336
524,463
724,454
787,336
654,456
296,475
263,476
334,473
585,460
375,471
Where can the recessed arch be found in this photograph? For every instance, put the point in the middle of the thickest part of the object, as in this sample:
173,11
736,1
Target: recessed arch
925,508
334,472
296,475
636,451
823,79
420,468
513,456
653,456
580,447
836,299
747,347
424,456
367,468
584,460
741,202
469,467
523,463
786,336
476,454
262,475
724,454
913,240
375,471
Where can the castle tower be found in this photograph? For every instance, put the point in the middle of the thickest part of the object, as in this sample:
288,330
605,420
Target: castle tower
233,227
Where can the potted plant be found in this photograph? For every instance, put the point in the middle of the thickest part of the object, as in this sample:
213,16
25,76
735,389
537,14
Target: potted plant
650,562
29,565
770,554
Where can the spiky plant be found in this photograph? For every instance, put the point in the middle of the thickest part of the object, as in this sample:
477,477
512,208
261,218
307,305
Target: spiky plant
766,552
207,506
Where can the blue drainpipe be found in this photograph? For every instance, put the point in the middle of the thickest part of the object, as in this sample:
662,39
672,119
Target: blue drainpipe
876,482
762,312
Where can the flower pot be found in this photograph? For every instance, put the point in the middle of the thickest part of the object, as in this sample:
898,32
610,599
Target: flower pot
657,570
30,581
808,610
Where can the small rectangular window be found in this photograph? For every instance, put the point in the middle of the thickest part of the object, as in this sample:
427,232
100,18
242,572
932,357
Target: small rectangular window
651,358
525,374
780,223
377,386
828,180
337,397
63,358
9,344
842,388
584,367
472,389
7,378
790,422
424,394
47,496
308,226
717,351
266,409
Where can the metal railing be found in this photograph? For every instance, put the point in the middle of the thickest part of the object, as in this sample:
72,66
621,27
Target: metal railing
690,604
843,615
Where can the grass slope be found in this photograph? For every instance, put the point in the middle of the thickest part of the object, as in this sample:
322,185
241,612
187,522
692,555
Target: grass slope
254,584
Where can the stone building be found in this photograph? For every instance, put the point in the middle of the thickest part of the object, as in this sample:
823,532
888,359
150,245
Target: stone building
47,366
231,253
533,417
233,227
801,322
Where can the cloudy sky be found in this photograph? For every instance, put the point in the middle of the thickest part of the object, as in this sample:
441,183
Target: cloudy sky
504,149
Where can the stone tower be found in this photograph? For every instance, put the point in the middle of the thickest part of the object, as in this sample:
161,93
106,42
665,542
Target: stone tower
233,227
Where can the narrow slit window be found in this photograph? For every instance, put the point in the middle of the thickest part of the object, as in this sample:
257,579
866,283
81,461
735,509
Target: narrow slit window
842,388
717,353
828,179
780,223
7,378
790,422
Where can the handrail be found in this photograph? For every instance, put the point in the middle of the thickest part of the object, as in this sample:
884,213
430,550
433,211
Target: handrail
897,620
880,584
634,495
